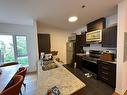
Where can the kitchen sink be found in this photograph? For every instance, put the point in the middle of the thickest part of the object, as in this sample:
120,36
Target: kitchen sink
48,65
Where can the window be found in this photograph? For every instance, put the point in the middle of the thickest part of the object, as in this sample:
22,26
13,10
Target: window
6,48
21,47
13,48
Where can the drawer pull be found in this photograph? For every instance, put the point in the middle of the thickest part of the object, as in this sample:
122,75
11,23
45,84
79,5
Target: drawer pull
105,63
105,78
105,68
105,73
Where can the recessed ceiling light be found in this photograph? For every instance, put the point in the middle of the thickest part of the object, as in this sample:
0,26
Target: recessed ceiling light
73,19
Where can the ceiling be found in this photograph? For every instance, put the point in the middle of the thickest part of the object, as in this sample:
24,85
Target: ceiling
55,13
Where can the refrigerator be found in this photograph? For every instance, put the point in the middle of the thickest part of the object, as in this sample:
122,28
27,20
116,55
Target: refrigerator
70,47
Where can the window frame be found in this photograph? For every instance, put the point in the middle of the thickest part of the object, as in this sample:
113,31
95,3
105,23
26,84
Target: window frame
15,46
16,50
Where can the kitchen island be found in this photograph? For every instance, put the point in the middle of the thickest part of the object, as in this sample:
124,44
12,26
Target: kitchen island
60,77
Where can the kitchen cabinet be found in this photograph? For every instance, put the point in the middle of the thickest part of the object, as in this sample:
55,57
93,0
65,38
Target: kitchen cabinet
98,24
109,37
79,61
107,72
80,42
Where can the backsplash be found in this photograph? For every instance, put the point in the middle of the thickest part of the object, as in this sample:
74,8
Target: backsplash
99,47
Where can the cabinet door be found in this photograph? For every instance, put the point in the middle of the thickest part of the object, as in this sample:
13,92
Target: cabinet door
80,42
79,61
96,25
113,36
109,37
105,38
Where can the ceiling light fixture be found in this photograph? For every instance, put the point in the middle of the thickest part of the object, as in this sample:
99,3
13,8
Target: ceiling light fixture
73,19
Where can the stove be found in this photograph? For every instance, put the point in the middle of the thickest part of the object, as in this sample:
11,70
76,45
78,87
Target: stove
95,53
93,56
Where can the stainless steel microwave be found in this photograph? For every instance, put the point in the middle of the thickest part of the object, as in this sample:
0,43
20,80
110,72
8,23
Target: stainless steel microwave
94,36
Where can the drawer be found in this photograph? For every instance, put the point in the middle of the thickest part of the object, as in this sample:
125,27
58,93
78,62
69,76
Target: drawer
105,78
107,68
106,73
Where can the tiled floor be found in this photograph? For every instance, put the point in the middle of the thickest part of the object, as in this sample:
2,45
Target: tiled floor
31,84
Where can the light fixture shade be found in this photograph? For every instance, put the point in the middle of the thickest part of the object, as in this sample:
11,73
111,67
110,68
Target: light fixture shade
72,18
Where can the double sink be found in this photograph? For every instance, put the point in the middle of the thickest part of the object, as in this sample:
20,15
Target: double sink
48,65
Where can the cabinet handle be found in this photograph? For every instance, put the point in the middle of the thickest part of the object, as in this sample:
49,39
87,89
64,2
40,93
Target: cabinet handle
105,78
105,68
105,73
105,63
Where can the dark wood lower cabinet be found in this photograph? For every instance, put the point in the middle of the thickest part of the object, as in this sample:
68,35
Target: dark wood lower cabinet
107,72
79,61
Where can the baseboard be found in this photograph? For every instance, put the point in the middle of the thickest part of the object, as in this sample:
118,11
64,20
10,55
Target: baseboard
115,93
125,93
120,92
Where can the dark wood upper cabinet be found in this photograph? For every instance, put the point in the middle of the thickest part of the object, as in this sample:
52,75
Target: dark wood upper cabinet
109,37
96,25
80,42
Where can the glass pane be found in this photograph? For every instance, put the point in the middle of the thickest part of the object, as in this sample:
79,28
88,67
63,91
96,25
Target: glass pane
21,45
22,50
23,60
6,48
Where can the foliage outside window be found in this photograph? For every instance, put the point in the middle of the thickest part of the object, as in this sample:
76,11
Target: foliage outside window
13,48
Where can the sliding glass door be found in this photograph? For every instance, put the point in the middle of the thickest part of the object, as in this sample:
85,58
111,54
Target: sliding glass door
6,48
13,48
21,50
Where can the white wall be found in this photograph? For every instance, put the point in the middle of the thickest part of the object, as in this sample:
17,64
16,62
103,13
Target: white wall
111,20
31,33
121,83
58,40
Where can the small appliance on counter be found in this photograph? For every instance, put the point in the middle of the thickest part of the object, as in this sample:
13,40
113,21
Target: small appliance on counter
48,57
95,53
42,55
107,56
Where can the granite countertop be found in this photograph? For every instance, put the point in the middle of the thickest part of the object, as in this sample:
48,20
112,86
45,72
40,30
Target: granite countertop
60,77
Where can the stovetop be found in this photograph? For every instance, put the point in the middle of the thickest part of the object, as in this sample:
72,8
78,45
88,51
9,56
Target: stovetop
91,59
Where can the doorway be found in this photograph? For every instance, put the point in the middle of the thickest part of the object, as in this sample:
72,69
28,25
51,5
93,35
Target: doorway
44,43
